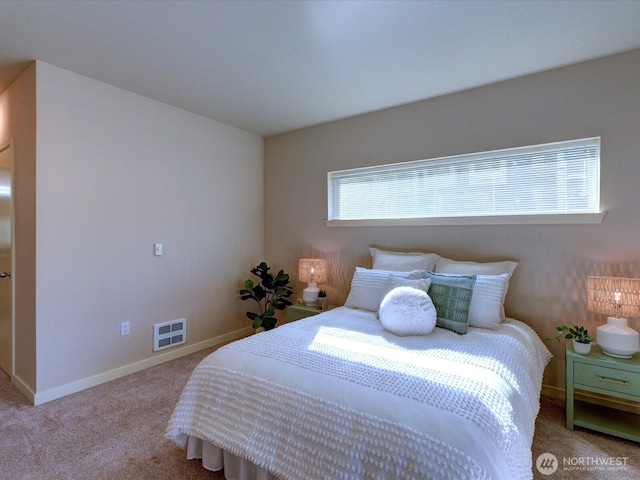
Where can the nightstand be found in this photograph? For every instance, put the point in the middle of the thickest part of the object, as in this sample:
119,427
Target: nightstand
605,375
298,311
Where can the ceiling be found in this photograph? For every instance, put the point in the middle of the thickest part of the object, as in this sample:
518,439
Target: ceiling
274,66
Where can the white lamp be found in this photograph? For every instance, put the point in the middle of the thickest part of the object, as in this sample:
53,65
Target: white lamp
620,298
312,271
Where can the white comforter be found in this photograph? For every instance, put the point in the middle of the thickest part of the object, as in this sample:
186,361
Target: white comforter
336,397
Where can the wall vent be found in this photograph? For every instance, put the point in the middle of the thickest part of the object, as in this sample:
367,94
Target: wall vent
169,334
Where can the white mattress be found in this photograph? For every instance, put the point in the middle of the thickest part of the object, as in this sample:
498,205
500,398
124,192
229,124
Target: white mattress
335,396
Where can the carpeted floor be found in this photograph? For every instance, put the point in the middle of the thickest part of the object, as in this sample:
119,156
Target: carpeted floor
113,431
581,449
116,431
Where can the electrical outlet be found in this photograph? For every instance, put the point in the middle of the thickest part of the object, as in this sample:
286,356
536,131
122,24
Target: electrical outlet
124,329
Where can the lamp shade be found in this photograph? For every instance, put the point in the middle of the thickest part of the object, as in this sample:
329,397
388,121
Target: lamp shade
617,297
312,270
614,296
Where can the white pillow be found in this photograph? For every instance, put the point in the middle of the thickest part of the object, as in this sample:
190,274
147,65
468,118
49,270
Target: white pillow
368,287
408,311
402,261
446,265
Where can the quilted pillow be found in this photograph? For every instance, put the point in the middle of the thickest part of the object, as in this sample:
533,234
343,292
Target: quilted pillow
402,261
368,287
451,295
407,311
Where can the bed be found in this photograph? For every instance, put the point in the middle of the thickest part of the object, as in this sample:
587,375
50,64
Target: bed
340,396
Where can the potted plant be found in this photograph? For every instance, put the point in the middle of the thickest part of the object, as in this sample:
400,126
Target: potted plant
580,335
322,300
271,293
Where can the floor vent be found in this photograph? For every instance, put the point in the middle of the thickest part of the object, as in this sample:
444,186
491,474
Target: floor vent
169,334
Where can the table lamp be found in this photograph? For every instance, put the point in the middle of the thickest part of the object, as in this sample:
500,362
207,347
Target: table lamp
620,298
312,271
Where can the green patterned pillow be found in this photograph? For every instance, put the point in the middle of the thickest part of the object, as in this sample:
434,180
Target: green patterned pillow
451,295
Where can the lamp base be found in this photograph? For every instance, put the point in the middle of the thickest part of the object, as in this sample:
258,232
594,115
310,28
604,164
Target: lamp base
609,354
310,295
616,339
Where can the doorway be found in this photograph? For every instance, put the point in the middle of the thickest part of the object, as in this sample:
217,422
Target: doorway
6,257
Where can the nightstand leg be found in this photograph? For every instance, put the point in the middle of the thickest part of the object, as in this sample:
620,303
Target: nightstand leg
569,400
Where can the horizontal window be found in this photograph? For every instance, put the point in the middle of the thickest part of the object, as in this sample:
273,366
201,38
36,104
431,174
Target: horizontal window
517,185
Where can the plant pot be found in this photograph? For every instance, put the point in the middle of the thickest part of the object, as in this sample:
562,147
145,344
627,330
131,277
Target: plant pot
581,348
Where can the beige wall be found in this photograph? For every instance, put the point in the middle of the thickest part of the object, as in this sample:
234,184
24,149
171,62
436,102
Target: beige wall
598,98
117,172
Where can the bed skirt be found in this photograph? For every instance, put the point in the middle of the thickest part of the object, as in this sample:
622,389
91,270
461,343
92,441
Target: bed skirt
215,459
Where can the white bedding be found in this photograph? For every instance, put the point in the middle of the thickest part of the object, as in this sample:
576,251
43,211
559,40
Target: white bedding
336,396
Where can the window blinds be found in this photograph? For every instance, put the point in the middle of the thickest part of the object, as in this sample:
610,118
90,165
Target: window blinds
555,178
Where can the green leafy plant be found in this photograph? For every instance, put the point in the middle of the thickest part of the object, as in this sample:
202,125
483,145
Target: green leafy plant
577,333
322,293
271,293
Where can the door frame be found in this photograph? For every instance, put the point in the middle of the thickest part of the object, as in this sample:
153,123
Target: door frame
4,145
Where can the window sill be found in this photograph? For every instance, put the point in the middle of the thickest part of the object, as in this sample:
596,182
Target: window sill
557,219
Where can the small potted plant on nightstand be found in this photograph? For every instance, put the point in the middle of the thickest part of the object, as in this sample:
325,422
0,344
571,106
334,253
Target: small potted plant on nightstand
271,293
581,338
322,300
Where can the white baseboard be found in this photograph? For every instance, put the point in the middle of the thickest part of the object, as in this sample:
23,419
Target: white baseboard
23,388
82,384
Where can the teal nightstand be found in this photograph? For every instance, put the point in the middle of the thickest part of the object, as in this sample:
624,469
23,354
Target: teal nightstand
605,375
299,311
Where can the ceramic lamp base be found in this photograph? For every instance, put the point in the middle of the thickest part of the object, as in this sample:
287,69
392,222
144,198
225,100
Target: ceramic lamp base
616,339
310,294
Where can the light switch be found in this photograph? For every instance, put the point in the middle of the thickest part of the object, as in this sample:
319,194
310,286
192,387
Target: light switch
157,249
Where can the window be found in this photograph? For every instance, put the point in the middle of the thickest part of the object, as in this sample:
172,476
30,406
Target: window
550,183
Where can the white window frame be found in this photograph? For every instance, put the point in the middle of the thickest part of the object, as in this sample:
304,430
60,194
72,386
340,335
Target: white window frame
593,215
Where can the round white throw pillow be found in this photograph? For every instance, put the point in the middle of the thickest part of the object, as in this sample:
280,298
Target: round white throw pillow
407,311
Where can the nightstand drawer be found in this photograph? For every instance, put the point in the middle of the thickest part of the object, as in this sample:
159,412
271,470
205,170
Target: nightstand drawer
614,380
